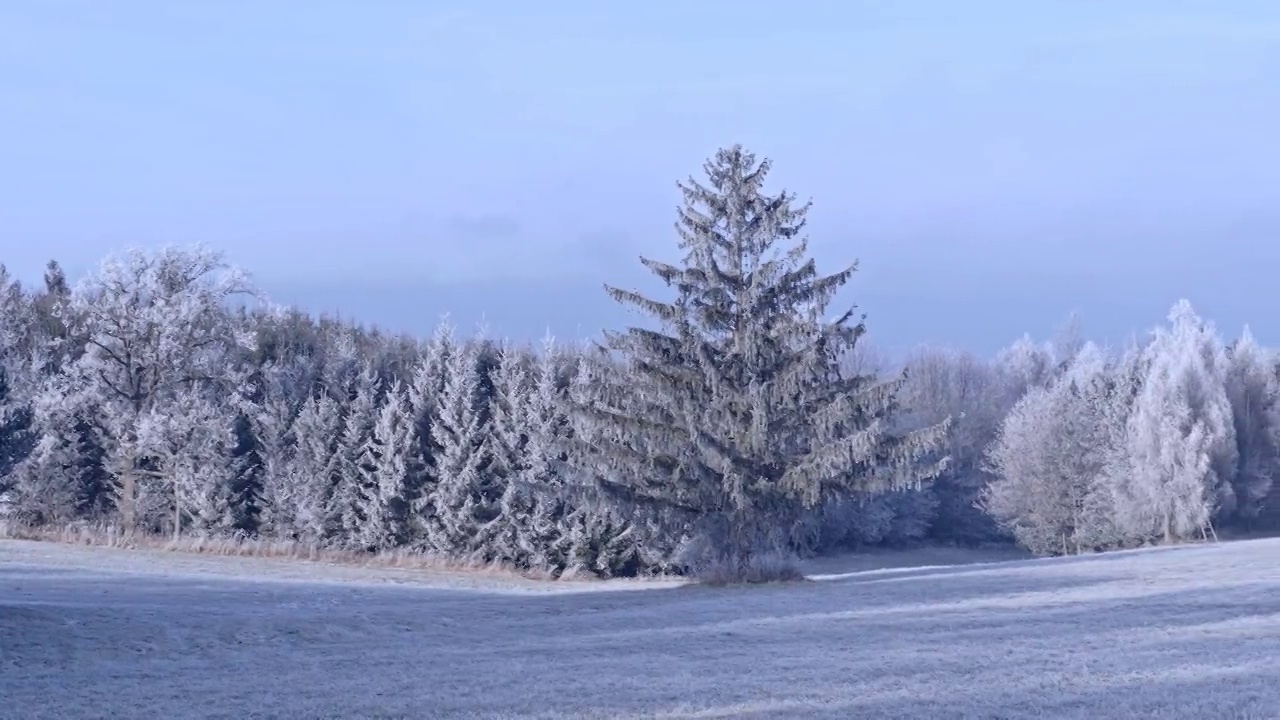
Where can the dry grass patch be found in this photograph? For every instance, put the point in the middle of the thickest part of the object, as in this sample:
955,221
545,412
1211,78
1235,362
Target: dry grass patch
109,536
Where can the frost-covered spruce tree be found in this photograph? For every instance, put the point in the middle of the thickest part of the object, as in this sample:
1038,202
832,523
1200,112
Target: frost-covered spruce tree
17,436
356,484
734,413
154,325
596,535
508,466
425,391
314,471
544,500
17,378
1254,392
385,506
460,511
1180,438
271,420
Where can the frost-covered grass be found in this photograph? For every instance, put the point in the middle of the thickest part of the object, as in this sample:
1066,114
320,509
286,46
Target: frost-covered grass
1190,632
109,537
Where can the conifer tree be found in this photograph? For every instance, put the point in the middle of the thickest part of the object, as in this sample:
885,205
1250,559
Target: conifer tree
425,390
356,483
460,512
315,469
385,505
508,466
734,412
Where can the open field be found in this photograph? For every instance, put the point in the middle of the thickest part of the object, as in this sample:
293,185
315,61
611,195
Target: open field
1173,633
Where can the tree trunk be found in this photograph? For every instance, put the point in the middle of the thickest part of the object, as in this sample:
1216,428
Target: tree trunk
128,494
177,511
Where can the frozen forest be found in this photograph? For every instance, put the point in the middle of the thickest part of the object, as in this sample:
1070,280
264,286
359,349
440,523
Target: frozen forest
746,422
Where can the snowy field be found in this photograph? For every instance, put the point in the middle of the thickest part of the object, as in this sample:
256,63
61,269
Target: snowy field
1177,633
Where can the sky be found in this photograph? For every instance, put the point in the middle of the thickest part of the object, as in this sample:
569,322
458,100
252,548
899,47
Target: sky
992,166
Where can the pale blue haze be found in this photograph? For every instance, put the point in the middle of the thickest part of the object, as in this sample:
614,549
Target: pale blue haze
994,165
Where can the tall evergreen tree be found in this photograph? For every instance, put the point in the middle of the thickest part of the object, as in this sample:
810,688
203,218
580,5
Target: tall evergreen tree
735,413
356,483
385,506
315,470
425,390
460,510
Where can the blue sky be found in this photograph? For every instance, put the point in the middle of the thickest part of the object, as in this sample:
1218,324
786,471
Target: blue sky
993,165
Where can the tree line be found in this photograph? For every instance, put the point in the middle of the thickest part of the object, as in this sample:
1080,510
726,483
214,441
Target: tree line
744,423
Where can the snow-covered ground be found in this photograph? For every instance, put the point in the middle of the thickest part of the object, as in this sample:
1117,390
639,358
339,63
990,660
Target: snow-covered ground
1175,633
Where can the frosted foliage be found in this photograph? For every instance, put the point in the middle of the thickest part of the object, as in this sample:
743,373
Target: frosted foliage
1254,394
1051,461
314,469
460,512
1026,364
528,427
734,413
191,439
272,422
510,437
356,484
43,489
1181,436
385,505
155,327
425,392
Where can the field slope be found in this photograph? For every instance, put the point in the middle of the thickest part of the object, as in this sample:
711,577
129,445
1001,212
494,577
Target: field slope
1174,633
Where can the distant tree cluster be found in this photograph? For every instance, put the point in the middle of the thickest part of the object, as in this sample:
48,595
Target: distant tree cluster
745,422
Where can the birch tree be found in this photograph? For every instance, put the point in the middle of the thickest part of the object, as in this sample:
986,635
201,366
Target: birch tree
1180,437
733,412
1051,459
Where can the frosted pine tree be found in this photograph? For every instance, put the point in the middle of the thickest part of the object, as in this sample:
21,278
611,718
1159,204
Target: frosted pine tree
385,507
1180,437
315,469
425,392
508,537
733,412
546,423
356,484
46,486
17,379
271,421
460,511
